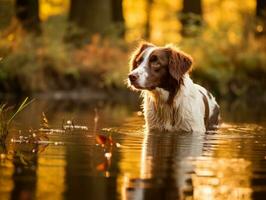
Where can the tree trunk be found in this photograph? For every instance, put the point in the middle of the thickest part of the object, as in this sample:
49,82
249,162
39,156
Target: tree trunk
118,17
27,13
261,17
147,29
92,16
6,13
191,17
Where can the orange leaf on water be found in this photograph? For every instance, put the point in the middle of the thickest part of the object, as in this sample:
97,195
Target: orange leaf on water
102,167
101,139
104,140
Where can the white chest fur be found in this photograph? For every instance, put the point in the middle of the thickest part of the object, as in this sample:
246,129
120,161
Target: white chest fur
185,114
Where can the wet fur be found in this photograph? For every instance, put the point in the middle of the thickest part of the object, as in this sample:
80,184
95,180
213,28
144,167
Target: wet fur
172,102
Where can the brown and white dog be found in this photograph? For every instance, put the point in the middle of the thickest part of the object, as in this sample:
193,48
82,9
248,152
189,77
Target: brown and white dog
172,102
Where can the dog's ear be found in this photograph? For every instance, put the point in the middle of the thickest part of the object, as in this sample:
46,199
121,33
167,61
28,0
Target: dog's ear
179,63
137,52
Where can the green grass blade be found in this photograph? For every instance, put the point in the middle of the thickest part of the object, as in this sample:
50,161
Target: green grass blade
23,105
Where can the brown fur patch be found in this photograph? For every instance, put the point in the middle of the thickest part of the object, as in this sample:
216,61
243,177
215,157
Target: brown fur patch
137,52
167,66
207,110
179,63
212,121
214,118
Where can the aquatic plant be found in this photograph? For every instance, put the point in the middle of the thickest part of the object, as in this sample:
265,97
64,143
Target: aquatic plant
7,116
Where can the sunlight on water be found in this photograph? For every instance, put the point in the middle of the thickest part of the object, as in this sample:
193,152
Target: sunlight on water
221,178
6,181
195,166
52,162
105,153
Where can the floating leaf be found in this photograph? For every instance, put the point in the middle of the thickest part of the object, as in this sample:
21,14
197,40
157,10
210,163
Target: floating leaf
101,139
102,167
104,140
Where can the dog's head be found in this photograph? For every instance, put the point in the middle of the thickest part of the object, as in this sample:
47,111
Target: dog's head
162,67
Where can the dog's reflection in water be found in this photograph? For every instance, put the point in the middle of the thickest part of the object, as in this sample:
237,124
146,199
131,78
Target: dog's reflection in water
165,170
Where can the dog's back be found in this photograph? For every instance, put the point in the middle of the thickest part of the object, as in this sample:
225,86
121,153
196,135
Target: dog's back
212,109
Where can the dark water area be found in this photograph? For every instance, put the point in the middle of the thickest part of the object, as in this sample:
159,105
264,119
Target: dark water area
99,150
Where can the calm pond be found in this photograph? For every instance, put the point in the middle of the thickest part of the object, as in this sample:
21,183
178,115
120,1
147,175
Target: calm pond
99,150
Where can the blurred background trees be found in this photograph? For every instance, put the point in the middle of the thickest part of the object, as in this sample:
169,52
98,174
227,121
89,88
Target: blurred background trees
39,51
191,15
126,16
118,17
27,12
147,32
101,17
91,15
261,17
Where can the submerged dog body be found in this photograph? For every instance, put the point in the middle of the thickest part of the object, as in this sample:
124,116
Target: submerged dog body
192,109
172,102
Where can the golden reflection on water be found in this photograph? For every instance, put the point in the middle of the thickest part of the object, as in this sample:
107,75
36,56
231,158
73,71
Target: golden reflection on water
27,173
160,173
51,174
30,171
174,166
221,178
6,181
146,165
129,164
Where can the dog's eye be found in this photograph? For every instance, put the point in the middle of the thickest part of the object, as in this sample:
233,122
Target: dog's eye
139,60
153,58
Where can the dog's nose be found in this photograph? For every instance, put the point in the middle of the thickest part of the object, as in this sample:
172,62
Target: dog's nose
132,77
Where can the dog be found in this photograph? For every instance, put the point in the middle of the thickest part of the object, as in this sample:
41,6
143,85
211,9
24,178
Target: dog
171,101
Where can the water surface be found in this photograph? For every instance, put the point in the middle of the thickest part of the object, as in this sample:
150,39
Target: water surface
115,158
